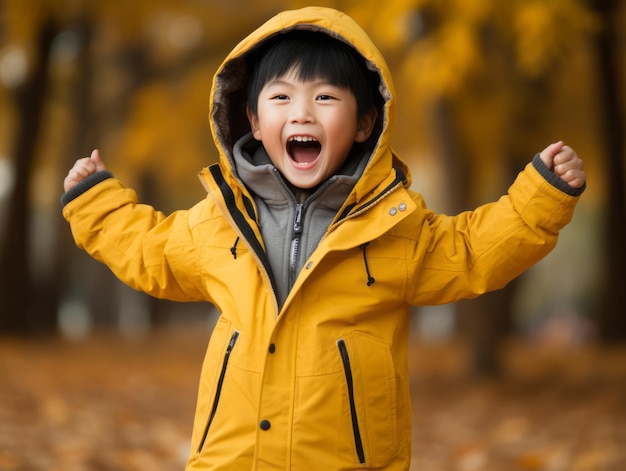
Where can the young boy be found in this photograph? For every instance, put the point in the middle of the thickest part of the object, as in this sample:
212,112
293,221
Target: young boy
313,248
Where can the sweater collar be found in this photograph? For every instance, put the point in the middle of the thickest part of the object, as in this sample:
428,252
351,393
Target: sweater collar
255,169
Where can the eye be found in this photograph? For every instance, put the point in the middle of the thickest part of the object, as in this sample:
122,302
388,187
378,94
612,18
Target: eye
325,97
278,96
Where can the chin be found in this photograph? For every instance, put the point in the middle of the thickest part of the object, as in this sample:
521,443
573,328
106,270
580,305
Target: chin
303,182
303,186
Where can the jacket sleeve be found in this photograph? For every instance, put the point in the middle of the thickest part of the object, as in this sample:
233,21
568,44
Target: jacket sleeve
477,251
145,249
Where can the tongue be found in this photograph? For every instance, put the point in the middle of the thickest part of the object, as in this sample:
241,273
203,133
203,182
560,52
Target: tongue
302,152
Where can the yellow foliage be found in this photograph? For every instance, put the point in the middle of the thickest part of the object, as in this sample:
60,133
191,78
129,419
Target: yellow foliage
388,23
435,48
443,63
474,11
168,134
545,30
22,18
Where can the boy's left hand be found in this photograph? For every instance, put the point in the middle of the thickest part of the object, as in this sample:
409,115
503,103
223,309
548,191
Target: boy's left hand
565,163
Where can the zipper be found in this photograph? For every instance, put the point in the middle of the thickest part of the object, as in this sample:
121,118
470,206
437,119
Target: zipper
345,358
294,252
218,390
295,244
397,183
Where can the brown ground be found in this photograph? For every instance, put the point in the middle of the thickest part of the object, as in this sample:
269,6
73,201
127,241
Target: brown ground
118,405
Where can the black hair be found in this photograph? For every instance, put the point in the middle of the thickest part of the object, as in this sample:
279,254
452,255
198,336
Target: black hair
314,55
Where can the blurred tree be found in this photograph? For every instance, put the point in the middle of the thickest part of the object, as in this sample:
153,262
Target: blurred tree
517,52
114,65
138,89
486,70
611,319
16,287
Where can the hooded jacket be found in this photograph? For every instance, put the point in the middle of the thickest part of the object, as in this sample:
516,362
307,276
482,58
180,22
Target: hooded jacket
319,380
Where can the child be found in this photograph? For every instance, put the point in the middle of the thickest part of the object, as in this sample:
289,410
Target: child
313,248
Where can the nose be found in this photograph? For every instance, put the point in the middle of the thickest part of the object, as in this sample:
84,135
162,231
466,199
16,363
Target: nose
301,111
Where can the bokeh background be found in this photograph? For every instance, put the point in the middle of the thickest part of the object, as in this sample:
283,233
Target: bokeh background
95,376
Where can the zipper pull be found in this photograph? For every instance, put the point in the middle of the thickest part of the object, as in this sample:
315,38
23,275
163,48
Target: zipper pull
297,222
295,244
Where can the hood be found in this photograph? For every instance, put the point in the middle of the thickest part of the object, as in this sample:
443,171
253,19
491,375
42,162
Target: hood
228,94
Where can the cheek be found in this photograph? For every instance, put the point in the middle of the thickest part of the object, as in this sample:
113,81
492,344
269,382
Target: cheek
343,134
344,123
264,129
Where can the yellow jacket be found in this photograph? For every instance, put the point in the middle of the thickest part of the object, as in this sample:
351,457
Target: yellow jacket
322,384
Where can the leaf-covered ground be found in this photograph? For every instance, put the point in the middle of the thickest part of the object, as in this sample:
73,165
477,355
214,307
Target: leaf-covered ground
121,405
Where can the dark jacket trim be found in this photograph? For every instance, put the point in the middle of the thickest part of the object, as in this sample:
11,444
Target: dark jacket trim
80,188
250,209
241,221
554,179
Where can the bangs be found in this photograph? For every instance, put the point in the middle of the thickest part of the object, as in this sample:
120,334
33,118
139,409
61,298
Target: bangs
313,55
312,60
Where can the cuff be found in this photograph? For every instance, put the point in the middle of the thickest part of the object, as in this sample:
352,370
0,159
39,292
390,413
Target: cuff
86,184
554,179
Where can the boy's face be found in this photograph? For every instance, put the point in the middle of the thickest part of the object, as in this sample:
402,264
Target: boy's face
308,128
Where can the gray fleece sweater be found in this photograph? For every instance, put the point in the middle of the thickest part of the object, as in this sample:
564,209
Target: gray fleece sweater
292,220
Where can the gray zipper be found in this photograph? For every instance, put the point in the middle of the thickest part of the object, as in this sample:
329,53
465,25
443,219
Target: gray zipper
296,235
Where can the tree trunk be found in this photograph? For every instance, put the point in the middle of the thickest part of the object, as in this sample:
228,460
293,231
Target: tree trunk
89,283
611,319
486,321
16,295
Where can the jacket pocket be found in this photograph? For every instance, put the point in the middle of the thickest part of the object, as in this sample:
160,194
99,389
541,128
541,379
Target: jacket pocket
345,359
218,388
371,387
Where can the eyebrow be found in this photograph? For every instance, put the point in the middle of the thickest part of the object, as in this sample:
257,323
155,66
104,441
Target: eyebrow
279,82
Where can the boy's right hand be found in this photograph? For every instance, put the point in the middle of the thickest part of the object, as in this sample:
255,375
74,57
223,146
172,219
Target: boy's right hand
82,169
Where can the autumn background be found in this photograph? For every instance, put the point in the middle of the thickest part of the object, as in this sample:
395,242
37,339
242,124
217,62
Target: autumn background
94,376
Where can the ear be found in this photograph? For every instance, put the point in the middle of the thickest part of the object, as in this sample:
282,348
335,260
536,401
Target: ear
254,123
366,125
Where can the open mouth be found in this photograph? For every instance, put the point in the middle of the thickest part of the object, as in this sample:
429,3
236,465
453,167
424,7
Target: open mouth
303,150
